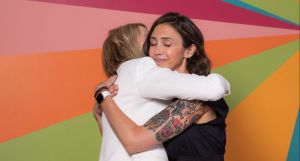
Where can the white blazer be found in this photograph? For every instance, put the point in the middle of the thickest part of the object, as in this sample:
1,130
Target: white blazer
143,87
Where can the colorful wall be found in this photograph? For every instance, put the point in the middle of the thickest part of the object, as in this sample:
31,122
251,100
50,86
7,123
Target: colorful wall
50,62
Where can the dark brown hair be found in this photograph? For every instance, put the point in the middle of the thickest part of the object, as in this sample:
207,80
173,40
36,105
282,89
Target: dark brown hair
199,63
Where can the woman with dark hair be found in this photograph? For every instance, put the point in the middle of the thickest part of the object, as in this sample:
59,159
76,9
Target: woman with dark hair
176,43
191,36
203,141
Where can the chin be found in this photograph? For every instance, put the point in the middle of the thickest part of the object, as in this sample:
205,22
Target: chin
161,64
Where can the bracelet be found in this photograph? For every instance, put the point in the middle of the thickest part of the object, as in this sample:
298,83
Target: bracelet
100,90
101,96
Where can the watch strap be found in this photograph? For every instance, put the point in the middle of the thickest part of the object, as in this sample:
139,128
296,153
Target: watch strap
101,95
104,88
105,94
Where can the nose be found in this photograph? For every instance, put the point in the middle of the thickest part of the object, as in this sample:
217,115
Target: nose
157,50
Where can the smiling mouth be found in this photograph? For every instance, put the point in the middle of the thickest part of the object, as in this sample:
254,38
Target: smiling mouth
160,61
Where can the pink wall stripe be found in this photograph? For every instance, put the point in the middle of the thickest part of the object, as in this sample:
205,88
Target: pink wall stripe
204,9
41,27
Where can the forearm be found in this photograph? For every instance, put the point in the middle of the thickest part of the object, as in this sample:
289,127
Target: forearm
133,137
99,122
168,123
174,119
98,116
165,125
183,86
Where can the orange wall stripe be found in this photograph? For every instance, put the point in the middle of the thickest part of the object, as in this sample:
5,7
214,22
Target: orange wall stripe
44,89
226,51
261,127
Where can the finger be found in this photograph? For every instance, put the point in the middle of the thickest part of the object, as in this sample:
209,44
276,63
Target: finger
115,90
111,80
114,77
111,89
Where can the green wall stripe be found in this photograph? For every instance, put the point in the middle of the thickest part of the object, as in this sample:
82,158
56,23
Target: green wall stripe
77,139
276,9
245,75
288,9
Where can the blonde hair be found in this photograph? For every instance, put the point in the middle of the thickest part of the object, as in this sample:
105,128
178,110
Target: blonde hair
121,45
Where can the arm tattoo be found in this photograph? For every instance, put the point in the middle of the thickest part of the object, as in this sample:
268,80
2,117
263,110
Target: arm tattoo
174,119
157,120
171,128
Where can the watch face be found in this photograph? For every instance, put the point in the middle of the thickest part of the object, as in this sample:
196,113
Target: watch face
99,97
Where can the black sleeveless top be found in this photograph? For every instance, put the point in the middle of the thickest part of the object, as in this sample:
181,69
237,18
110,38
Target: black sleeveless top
201,142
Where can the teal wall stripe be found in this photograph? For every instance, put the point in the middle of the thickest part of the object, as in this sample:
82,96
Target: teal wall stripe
294,152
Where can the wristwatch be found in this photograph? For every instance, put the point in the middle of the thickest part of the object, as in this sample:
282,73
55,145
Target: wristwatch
101,94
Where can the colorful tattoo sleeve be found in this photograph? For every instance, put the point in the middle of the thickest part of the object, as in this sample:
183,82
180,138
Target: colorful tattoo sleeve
174,119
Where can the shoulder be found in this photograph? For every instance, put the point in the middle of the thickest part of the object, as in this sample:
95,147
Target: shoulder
145,61
138,66
140,63
220,106
145,65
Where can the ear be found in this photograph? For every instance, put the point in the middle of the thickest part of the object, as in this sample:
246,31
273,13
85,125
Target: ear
189,52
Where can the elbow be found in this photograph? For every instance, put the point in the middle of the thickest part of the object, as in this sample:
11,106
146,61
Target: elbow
131,149
218,93
141,139
139,144
222,89
133,143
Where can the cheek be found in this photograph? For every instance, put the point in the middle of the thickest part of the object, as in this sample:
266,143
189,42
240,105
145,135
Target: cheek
175,57
151,53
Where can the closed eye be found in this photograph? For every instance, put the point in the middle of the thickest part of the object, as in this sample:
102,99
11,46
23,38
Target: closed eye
152,44
167,45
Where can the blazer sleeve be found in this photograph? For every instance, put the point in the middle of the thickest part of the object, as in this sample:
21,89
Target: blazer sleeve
163,83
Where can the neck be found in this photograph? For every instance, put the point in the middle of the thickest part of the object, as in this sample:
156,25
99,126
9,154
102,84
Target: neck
182,68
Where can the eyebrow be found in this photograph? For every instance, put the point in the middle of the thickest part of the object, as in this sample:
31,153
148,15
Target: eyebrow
163,38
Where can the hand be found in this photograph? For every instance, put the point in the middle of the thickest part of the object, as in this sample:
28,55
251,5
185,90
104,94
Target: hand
107,83
113,90
111,80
